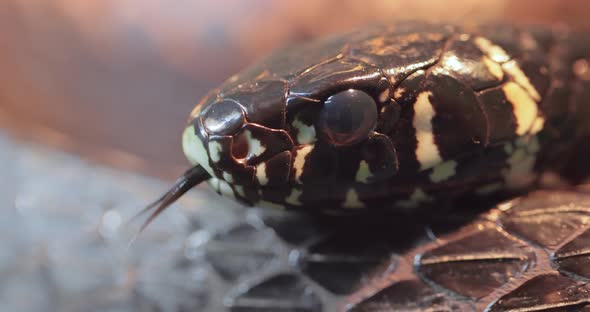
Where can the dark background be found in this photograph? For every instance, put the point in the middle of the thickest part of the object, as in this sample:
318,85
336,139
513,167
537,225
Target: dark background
114,80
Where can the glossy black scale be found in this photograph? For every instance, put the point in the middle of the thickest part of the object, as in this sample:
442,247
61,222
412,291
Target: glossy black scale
225,117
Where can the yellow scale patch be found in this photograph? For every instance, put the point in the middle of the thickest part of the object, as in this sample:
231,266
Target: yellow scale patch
521,93
427,152
524,98
443,171
352,200
228,177
255,147
240,190
524,107
261,176
215,151
512,68
221,186
194,149
299,162
225,189
293,197
364,172
494,52
305,134
494,68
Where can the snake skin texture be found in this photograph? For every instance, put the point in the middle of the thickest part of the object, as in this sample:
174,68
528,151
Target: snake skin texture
65,248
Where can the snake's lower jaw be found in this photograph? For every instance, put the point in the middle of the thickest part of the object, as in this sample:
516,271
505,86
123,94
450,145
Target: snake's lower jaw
194,149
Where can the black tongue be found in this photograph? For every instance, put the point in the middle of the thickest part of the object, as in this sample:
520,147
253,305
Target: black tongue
188,180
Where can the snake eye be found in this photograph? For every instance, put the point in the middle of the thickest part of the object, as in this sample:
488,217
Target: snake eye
348,117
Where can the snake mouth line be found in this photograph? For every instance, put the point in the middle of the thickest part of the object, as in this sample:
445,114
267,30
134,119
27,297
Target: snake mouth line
350,197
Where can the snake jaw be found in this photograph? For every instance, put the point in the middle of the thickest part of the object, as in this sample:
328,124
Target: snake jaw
249,155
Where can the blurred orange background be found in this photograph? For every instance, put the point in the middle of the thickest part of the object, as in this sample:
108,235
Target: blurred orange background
114,80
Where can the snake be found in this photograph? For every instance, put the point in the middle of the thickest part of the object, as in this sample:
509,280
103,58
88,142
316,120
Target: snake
395,117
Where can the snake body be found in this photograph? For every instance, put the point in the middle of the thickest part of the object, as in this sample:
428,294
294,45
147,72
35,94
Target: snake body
397,117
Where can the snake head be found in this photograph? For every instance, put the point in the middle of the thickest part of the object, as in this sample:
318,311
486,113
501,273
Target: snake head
386,116
303,127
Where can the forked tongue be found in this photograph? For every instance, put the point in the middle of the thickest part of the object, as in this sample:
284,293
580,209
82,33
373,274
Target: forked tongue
183,184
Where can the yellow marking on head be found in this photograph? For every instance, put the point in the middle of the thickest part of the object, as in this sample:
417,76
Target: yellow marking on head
443,171
240,190
299,161
352,200
228,177
194,149
261,176
427,152
293,197
225,189
189,145
494,68
494,52
524,107
521,78
364,172
538,125
215,151
255,147
214,183
305,134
